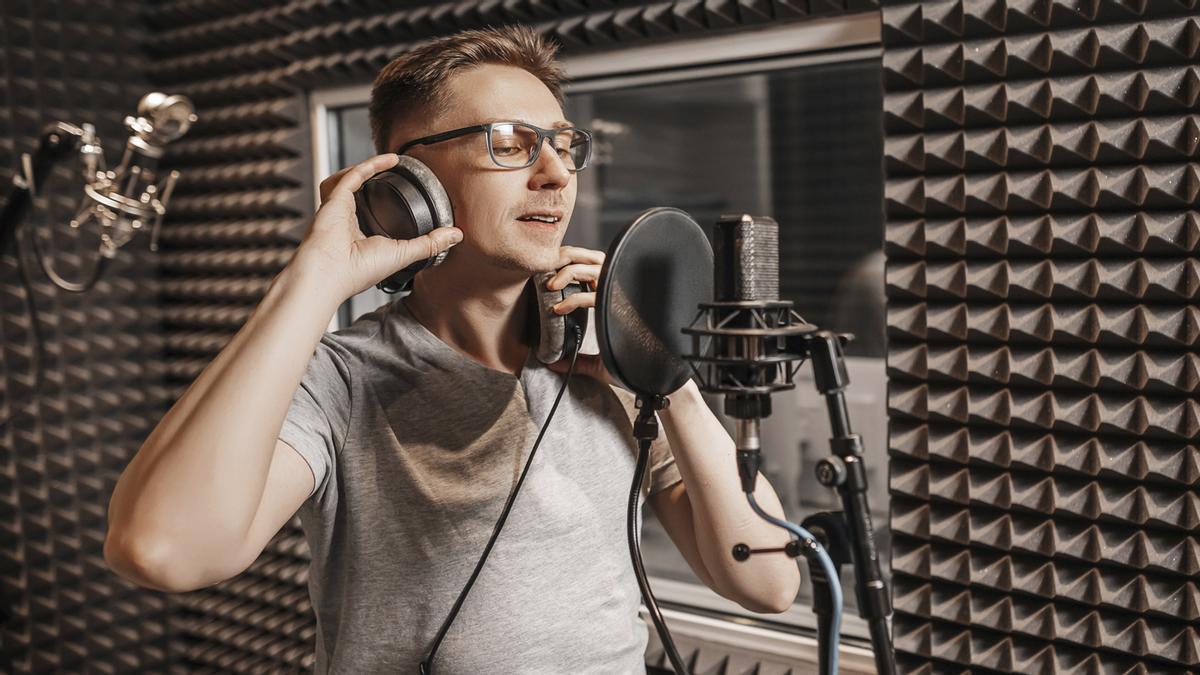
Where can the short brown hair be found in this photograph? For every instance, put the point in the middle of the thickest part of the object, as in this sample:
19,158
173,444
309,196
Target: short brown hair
415,82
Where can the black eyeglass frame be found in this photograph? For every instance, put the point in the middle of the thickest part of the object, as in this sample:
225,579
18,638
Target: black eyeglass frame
542,136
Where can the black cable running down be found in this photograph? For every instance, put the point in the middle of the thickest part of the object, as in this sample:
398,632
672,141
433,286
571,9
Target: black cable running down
426,667
48,268
38,356
39,339
56,142
635,551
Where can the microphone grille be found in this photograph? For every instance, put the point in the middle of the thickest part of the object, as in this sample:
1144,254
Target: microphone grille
746,252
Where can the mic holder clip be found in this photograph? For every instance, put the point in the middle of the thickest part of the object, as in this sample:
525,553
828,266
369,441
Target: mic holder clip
645,427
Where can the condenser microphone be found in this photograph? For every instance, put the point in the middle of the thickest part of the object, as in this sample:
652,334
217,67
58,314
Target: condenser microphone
130,197
119,202
740,339
748,344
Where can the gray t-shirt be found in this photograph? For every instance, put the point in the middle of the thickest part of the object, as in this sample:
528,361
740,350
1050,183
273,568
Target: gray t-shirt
414,447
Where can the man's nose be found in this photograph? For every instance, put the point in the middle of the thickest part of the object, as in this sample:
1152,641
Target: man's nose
550,171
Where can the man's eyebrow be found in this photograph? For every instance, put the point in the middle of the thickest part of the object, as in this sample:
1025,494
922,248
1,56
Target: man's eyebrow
563,124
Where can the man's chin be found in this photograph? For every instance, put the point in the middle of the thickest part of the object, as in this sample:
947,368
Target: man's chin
528,265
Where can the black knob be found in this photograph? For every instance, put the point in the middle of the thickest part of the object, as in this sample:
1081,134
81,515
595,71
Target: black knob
831,471
741,552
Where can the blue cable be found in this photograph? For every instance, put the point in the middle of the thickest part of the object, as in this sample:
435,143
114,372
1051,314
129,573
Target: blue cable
835,583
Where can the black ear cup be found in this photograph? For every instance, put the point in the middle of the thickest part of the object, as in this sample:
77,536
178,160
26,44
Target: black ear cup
557,333
404,202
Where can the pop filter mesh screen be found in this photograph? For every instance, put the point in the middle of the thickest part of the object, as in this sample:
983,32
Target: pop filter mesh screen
656,273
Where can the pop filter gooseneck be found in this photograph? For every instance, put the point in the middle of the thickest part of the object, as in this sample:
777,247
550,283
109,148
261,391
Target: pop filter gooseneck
655,274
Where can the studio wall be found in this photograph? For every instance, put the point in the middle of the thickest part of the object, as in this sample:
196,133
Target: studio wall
1042,287
64,443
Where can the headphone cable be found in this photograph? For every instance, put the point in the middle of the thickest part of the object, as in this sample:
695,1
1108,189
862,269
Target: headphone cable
426,667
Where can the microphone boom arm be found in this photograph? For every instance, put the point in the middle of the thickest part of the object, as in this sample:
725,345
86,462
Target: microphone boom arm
57,141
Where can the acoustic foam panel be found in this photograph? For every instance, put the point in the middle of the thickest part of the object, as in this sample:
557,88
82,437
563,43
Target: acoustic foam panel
1042,279
63,445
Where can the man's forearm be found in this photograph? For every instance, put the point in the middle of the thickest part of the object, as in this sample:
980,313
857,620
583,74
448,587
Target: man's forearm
195,485
721,516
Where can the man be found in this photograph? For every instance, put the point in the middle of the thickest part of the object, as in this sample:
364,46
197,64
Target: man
399,438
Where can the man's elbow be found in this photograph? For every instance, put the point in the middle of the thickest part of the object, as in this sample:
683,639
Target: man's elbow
147,562
775,604
770,598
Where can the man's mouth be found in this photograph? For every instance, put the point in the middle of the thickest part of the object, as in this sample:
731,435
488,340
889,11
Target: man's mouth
549,217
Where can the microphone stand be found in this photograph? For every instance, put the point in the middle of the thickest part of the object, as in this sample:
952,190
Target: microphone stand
764,338
849,530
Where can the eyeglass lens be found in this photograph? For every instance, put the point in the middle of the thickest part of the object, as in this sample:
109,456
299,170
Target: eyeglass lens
513,146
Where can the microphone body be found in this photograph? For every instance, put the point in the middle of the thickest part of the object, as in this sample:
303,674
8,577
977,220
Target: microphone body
740,340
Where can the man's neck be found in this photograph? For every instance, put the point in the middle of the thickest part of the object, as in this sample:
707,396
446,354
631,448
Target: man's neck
485,320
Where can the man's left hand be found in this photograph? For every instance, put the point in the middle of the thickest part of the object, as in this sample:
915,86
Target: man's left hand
582,266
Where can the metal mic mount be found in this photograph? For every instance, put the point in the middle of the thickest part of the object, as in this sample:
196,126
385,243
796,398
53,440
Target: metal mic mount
748,350
120,201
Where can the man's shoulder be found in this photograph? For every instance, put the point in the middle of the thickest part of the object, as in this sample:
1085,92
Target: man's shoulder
347,349
364,333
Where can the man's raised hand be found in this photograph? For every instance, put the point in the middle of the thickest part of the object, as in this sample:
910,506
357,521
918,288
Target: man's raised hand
337,252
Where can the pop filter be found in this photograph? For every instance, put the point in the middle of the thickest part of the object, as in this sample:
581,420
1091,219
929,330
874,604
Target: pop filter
656,273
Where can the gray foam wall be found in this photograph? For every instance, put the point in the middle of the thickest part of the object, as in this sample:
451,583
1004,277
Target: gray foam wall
1043,283
63,446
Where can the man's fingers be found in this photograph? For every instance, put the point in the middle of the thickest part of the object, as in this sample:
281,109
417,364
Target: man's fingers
576,254
330,181
575,272
355,176
389,255
574,302
409,251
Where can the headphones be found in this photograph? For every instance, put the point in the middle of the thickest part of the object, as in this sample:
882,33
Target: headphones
408,201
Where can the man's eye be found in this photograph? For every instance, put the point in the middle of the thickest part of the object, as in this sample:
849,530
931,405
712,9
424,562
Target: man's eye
505,149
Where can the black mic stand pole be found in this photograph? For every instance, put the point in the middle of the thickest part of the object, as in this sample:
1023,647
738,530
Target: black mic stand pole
851,529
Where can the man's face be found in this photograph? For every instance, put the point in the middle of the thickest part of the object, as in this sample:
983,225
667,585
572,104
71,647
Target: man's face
489,200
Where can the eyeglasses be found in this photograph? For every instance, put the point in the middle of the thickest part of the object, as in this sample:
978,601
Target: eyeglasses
516,145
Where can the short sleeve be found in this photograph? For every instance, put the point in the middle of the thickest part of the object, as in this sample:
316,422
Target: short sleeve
319,415
663,471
